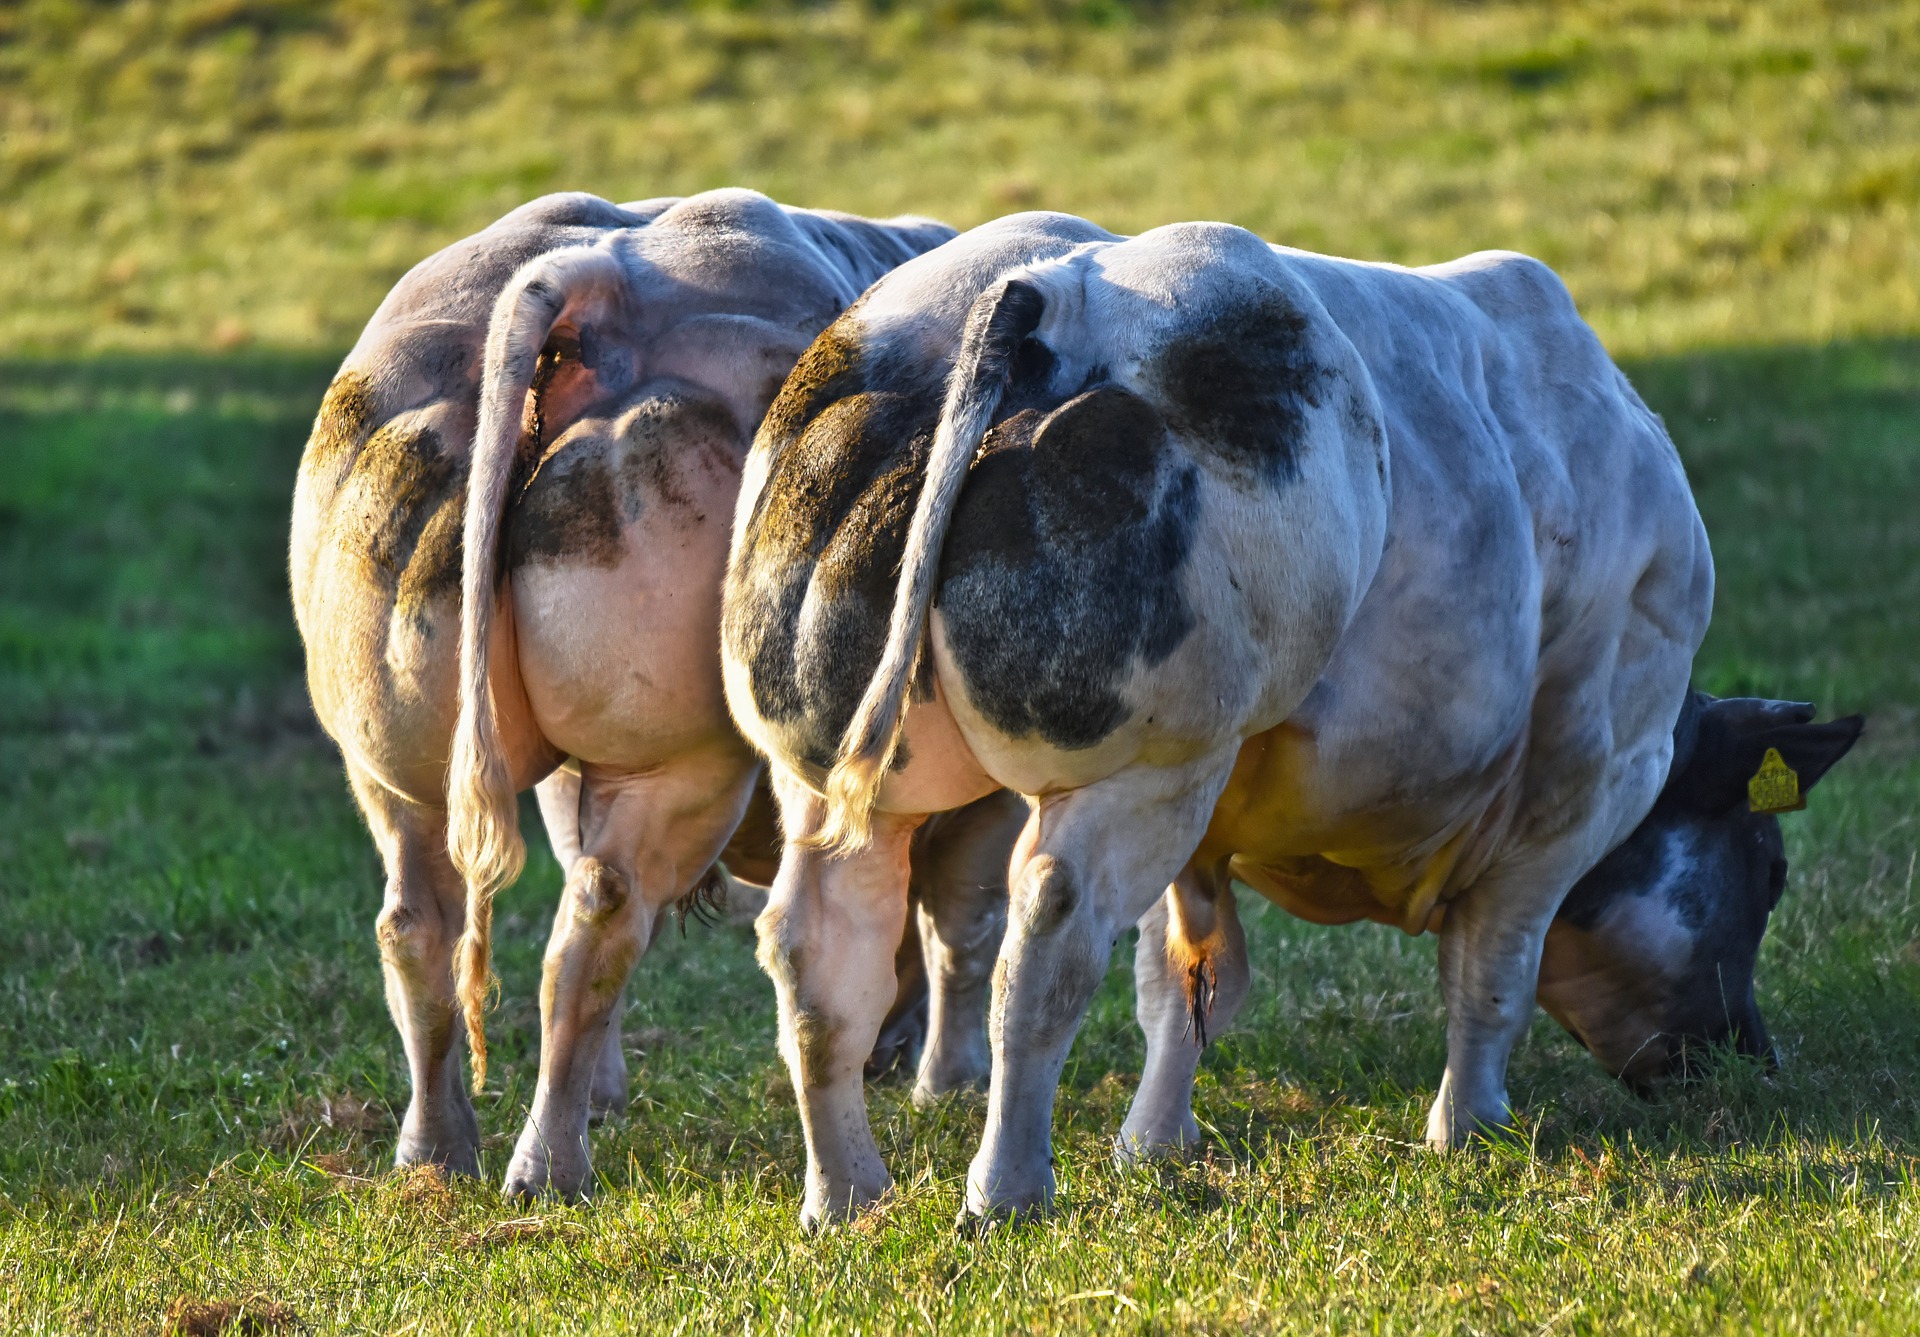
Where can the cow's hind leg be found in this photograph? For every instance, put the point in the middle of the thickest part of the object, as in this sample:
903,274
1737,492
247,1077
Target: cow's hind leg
646,841
960,874
559,796
1088,865
422,919
903,1032
1190,977
827,939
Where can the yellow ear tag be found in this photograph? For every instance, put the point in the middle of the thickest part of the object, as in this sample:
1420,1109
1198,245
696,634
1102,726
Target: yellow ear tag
1775,787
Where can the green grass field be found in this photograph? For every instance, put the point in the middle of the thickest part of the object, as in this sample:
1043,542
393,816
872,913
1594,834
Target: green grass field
199,204
201,173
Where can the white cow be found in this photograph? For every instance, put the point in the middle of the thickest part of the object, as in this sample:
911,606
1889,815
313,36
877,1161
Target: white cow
1373,588
589,376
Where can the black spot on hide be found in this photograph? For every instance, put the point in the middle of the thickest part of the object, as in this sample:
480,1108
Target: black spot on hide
1058,570
1241,384
1061,567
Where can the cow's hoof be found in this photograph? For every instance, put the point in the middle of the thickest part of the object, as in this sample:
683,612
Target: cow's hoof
944,1073
604,1102
531,1186
1148,1146
934,1090
538,1171
826,1207
454,1160
975,1222
452,1143
1459,1130
1011,1201
893,1058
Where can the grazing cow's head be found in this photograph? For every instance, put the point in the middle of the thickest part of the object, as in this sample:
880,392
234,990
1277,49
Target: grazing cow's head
1650,961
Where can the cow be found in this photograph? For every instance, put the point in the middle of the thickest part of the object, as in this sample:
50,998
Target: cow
1375,589
509,536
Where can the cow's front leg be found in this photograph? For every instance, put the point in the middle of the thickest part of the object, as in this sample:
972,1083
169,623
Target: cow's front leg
1190,977
827,940
1088,864
646,841
1490,945
419,924
960,872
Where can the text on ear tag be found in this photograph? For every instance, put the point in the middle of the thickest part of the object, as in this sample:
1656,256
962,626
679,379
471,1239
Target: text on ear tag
1775,787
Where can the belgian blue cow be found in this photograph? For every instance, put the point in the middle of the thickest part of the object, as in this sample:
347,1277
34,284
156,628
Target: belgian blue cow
1375,589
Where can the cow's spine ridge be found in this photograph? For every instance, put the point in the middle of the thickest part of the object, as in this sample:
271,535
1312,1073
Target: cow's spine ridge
483,828
1001,317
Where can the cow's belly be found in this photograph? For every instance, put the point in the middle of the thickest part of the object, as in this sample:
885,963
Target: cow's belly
1298,831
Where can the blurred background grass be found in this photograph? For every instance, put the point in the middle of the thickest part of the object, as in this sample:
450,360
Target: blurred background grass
210,173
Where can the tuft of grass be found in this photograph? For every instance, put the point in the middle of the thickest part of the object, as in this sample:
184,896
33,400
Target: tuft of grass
199,1086
208,173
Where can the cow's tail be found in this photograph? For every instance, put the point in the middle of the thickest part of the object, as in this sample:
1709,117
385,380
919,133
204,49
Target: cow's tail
1001,318
483,829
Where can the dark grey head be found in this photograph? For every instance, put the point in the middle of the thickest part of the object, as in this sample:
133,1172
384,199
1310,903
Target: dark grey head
1650,961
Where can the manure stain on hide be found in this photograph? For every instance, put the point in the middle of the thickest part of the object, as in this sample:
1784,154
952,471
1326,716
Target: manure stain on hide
846,444
394,498
342,424
1049,896
567,513
814,1037
596,890
400,509
807,454
592,485
1242,384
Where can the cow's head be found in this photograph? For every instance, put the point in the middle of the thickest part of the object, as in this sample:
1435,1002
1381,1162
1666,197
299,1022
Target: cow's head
1650,960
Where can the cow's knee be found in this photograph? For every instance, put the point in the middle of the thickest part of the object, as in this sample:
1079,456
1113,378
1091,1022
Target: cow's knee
1046,896
596,891
411,939
779,939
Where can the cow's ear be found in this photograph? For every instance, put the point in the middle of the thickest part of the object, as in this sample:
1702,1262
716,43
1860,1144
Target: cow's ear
1734,739
1812,749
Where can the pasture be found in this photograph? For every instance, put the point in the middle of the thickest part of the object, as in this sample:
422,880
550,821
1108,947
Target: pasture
198,1080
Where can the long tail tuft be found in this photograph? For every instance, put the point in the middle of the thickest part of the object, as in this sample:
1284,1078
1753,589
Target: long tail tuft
483,829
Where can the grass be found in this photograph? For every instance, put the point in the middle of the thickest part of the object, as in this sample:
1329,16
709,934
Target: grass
200,203
205,173
198,1082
